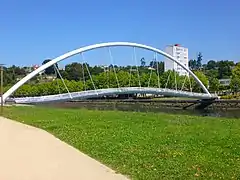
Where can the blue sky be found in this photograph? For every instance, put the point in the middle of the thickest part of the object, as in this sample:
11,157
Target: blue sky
32,31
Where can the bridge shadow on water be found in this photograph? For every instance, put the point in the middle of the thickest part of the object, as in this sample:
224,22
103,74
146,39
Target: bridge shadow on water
144,107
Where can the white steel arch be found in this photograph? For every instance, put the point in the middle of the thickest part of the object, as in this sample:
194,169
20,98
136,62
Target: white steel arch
95,46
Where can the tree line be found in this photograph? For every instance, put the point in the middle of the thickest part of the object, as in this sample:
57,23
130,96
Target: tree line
104,77
112,79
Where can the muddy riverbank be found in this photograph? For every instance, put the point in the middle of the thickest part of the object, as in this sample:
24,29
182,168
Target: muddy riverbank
224,108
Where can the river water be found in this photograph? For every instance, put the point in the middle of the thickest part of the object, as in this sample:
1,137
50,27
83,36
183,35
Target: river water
214,112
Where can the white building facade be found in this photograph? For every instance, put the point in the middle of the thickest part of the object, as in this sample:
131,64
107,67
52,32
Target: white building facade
181,54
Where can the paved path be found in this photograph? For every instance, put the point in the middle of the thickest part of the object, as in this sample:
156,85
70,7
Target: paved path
28,153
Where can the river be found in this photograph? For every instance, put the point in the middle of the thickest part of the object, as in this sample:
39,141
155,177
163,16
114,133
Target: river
145,107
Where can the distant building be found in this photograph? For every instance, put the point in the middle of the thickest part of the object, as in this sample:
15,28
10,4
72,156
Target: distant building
151,68
35,67
28,69
224,82
181,54
104,67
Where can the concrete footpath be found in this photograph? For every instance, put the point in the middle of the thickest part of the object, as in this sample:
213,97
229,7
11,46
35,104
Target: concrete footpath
28,153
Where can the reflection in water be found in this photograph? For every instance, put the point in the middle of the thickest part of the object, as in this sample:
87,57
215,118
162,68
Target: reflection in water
142,107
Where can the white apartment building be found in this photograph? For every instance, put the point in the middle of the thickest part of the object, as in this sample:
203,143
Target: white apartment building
181,54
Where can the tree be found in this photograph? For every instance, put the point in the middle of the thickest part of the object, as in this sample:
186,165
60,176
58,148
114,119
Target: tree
51,69
96,70
152,63
225,69
199,61
192,64
202,77
212,73
160,65
63,73
211,65
143,62
235,84
235,79
74,71
214,84
7,77
168,79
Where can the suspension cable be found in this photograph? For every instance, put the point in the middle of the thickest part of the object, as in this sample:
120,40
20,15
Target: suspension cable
108,74
190,84
83,76
184,83
110,54
88,72
130,72
151,67
130,76
57,79
168,79
157,70
175,79
135,57
70,95
150,77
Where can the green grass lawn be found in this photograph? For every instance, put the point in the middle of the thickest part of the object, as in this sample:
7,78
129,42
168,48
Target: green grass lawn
145,145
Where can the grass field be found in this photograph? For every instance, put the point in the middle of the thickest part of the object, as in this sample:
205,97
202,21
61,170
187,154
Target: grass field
145,145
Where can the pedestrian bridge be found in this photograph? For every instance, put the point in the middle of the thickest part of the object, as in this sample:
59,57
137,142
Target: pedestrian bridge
118,88
108,92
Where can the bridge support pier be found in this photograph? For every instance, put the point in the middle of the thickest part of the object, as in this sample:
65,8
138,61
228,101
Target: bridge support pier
204,103
200,104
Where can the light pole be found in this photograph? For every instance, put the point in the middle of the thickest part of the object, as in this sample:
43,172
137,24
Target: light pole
1,88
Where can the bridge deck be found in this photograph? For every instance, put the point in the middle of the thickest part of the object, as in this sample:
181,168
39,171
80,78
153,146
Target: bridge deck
111,91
